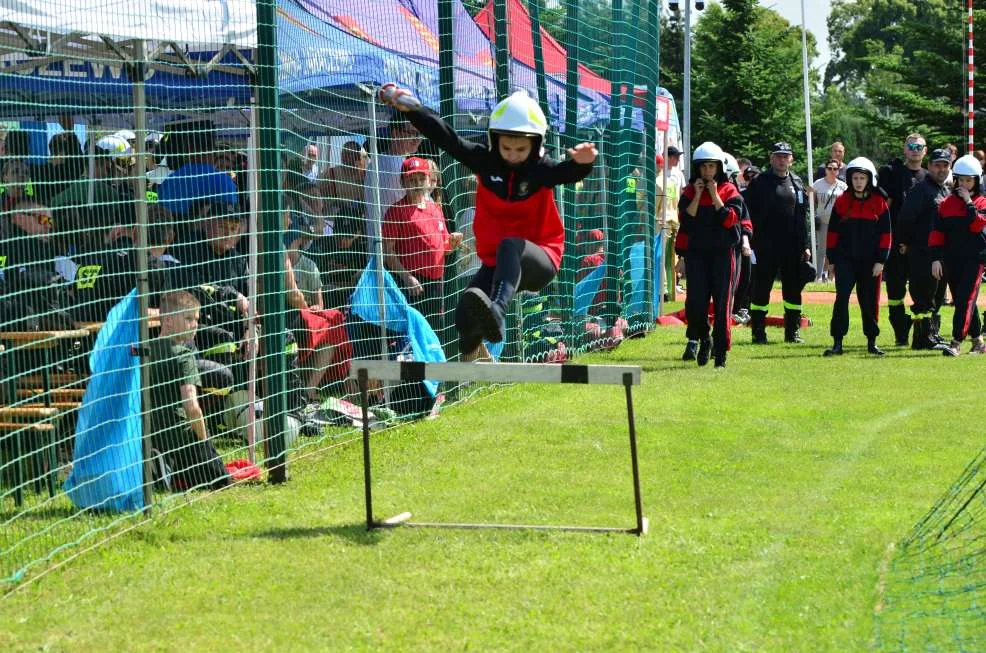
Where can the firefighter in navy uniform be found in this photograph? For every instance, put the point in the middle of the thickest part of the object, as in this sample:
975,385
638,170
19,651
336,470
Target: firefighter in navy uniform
778,206
519,232
897,179
103,277
710,213
913,226
958,244
858,244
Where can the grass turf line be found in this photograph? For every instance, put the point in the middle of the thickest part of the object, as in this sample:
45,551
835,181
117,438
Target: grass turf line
773,489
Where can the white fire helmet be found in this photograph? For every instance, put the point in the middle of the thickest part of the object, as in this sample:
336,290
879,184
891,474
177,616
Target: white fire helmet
967,165
518,114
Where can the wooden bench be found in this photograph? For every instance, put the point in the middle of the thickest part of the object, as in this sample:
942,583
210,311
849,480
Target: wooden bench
57,394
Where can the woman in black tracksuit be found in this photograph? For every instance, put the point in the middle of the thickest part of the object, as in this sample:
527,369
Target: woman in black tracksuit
958,242
709,238
858,245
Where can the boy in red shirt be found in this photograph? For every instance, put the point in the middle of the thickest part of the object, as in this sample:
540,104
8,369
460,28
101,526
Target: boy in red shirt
519,233
416,241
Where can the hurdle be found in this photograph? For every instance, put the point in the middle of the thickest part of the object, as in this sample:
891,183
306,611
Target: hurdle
627,376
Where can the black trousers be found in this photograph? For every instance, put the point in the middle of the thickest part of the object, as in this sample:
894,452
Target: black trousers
769,263
741,298
858,275
895,273
520,265
925,298
964,277
712,275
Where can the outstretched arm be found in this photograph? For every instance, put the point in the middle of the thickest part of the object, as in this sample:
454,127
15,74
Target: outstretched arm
575,168
439,132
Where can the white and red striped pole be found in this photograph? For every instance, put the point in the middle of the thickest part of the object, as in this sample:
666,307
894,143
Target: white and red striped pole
971,56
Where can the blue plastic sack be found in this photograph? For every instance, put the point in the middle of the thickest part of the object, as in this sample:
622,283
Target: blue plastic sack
107,468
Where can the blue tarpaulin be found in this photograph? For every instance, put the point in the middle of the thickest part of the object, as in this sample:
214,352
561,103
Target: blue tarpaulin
107,467
399,315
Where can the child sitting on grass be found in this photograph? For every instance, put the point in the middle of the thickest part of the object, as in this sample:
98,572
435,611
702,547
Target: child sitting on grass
177,424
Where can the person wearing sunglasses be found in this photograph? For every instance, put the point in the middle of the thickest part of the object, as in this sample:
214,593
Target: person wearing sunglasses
825,191
897,178
919,210
27,256
837,151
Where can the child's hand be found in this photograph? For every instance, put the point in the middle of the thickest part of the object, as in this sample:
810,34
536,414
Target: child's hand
583,153
399,98
454,240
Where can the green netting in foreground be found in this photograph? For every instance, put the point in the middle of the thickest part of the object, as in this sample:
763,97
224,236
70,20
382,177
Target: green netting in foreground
234,164
934,594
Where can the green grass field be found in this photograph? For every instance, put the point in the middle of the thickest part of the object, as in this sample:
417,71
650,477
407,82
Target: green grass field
775,491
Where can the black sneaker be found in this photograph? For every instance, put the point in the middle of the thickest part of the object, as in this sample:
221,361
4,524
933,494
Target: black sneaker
487,317
834,350
952,349
691,350
873,349
759,338
720,361
704,350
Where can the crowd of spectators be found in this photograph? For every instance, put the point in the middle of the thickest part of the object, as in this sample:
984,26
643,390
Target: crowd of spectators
67,256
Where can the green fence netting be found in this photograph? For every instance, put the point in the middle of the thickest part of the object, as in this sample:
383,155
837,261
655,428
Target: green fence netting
194,235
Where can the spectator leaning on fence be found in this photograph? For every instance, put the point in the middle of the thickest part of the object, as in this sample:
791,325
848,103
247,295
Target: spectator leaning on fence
416,242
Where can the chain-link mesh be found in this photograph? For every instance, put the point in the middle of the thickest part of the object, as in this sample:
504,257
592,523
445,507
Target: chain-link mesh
207,213
934,591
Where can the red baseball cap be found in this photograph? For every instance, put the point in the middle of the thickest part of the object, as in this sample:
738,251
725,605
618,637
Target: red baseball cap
415,164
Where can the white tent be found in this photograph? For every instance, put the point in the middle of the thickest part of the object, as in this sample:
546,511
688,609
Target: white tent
198,22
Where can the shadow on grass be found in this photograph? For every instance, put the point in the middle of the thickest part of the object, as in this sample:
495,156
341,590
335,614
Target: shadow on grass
355,533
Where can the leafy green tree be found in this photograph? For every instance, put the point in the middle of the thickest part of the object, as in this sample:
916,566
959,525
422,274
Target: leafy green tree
902,64
747,80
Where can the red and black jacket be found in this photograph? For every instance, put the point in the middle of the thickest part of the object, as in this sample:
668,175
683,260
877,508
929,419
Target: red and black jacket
859,229
957,230
511,202
711,228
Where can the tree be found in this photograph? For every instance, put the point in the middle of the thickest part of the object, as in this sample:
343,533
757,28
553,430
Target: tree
902,62
747,79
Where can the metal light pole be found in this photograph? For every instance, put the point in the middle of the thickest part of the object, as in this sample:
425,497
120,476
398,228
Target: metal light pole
687,131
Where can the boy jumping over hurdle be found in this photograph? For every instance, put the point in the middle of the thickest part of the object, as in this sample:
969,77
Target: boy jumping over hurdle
519,233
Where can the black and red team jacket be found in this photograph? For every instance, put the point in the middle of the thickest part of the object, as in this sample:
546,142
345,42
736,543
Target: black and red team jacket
957,230
511,202
859,229
711,228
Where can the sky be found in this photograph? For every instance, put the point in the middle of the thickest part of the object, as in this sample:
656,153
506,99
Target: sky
816,13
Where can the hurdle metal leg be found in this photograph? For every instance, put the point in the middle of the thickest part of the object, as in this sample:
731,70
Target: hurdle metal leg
364,400
638,504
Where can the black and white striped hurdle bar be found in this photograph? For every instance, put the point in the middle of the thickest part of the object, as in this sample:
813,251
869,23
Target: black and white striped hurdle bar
541,373
499,372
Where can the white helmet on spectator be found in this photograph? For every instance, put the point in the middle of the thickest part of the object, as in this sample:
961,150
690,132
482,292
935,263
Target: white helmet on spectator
967,165
862,164
730,165
116,146
708,151
518,114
